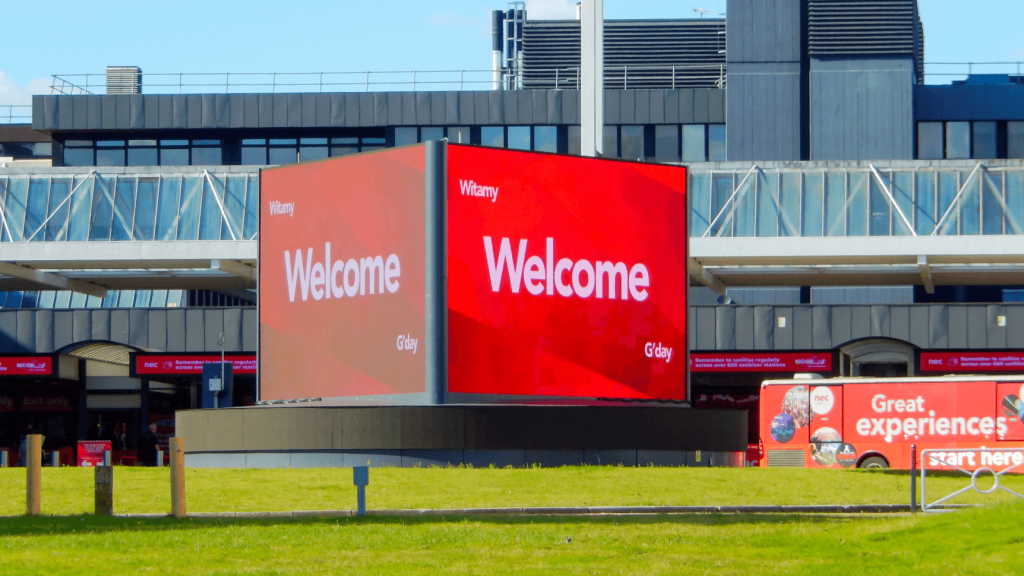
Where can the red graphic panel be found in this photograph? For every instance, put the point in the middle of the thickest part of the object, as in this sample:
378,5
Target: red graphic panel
191,364
90,452
26,366
777,362
342,278
566,276
34,403
1010,405
956,362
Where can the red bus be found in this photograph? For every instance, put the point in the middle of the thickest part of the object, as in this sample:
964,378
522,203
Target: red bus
872,422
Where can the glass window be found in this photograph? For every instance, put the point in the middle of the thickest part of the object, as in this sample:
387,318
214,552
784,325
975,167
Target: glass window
77,143
432,133
313,141
519,137
958,139
346,140
380,141
142,143
984,140
632,143
880,209
929,140
459,134
110,157
206,156
254,155
142,157
284,141
666,143
206,142
109,143
1015,139
307,153
174,142
767,211
174,157
716,143
282,156
924,203
254,142
693,143
575,140
857,215
545,138
492,136
366,148
78,157
610,143
813,202
405,136
343,150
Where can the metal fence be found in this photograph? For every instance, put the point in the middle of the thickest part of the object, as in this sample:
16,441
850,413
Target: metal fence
15,114
947,72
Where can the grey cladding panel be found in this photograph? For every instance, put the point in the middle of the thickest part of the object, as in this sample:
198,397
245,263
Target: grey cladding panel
337,109
657,106
81,329
8,332
195,111
784,333
176,331
437,108
63,328
842,331
213,324
1015,327
671,107
744,328
309,110
233,329
880,321
686,106
496,108
208,111
763,116
136,111
860,322
409,109
611,106
803,328
380,109
627,107
977,331
108,118
524,106
510,104
552,102
938,326
481,107
899,323
764,328
138,328
250,330
195,328
725,328
705,328
236,104
467,108
151,105
120,326
158,329
957,326
323,110
691,328
996,333
294,119
763,30
94,113
451,109
44,331
395,109
352,109
716,106
222,110
423,108
251,103
700,106
919,326
280,116
266,113
101,325
822,328
570,106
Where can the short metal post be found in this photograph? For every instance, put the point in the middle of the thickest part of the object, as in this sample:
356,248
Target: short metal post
3,459
104,490
33,474
361,477
159,458
55,459
913,477
106,457
178,477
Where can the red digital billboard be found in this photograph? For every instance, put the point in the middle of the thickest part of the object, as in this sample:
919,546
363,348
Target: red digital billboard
342,289
567,276
190,364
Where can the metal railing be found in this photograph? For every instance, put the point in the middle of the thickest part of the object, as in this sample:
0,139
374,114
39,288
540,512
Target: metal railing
971,462
15,113
947,72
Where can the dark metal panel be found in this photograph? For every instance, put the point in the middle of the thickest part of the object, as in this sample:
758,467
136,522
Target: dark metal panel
251,103
208,111
157,329
136,111
612,99
81,326
540,107
250,330
1015,327
700,106
716,106
481,107
151,108
691,328
294,110
524,106
366,109
63,328
26,334
451,109
899,323
409,109
821,327
422,108
627,107
280,119
938,326
764,328
120,326
467,108
685,106
996,337
165,111
657,106
510,103
266,111
380,109
309,110
671,107
803,328
80,112
213,325
44,331
957,326
195,111
784,333
175,331
323,110
57,112
221,111
495,108
94,113
706,328
860,322
138,328
842,325
38,114
725,328
233,329
436,108
570,107
351,109
642,106
337,109
553,106
8,332
880,321
744,328
919,326
977,331
236,104
394,108
101,324
763,30
195,331
108,117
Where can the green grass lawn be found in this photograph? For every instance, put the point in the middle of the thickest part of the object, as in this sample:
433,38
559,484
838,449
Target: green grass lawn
147,490
975,541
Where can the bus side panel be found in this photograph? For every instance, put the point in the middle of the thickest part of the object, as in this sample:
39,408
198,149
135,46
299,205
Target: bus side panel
826,427
1010,411
785,416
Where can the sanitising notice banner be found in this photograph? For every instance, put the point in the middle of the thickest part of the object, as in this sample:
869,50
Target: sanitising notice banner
761,362
966,362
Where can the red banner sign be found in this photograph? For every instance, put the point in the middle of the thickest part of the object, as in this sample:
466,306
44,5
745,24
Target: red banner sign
191,364
31,403
90,452
779,362
26,366
972,362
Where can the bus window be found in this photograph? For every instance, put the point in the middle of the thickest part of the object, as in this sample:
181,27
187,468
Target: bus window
1010,411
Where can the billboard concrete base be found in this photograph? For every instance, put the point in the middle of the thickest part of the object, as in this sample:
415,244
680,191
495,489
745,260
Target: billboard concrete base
455,435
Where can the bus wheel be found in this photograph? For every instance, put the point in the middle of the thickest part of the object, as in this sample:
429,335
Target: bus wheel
874,463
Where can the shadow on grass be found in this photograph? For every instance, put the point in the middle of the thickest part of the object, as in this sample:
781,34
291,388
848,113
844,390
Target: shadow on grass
89,524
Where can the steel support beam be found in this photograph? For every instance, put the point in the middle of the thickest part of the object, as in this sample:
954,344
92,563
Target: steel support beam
926,274
704,276
235,268
55,281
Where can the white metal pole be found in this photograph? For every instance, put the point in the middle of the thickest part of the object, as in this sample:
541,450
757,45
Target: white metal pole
592,72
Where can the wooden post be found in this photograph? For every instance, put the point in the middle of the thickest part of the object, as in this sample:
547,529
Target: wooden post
33,474
104,490
177,477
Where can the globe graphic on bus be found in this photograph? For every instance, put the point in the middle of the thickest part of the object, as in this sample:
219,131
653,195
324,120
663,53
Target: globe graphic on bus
783,428
825,445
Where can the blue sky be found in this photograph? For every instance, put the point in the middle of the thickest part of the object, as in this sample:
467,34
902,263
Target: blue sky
44,37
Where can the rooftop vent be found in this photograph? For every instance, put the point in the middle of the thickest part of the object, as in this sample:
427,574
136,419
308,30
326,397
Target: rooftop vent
124,80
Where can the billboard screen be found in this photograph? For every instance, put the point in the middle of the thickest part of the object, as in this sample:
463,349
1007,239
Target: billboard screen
26,366
342,276
189,364
761,362
986,361
566,276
